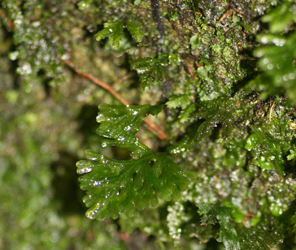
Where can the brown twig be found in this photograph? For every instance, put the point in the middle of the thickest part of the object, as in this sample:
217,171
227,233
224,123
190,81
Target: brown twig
226,14
97,81
270,112
122,79
151,126
188,70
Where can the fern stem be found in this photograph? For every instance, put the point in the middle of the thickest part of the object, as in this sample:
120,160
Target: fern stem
122,79
151,126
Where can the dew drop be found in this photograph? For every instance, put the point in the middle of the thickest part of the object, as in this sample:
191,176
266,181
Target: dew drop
84,170
91,155
100,118
128,128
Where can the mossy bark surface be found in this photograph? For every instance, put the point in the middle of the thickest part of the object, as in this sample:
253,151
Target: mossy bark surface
223,73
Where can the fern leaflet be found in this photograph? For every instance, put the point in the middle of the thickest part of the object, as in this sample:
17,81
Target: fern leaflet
114,186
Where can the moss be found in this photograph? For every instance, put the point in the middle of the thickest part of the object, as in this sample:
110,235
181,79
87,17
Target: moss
223,70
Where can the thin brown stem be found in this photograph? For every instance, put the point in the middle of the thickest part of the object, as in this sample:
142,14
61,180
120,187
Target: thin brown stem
122,79
226,14
151,126
97,81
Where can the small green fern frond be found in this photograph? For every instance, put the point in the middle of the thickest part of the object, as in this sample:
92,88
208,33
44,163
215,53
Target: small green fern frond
277,57
187,113
114,30
121,123
150,69
179,101
237,239
212,214
213,113
213,119
114,186
136,30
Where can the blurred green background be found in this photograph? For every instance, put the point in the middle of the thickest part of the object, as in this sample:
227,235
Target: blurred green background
45,126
